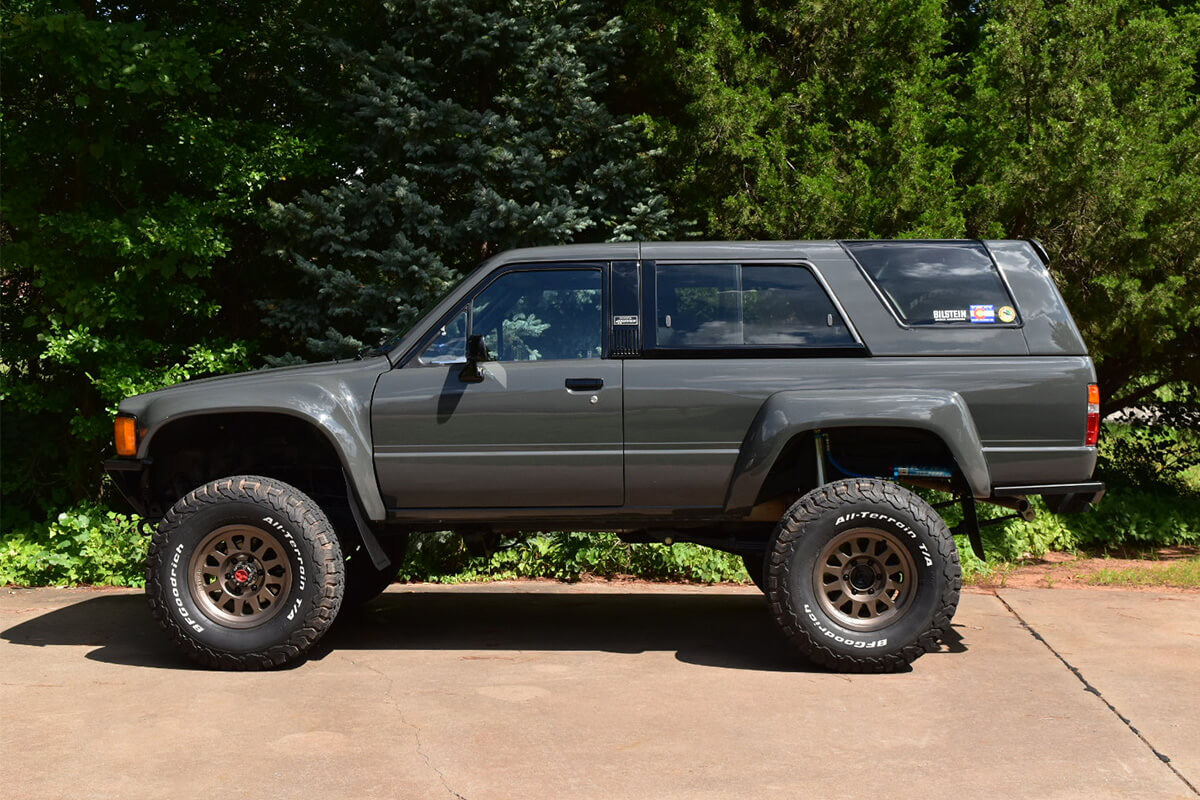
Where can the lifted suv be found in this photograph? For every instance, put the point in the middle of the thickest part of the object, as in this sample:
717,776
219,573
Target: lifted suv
768,399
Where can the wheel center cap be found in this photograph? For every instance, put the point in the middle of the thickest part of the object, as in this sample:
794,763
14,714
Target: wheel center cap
862,577
243,577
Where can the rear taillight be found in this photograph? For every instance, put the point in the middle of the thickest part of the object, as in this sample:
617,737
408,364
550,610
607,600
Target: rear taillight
1093,418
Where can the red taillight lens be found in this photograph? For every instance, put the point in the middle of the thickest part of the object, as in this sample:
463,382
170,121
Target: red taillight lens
1093,416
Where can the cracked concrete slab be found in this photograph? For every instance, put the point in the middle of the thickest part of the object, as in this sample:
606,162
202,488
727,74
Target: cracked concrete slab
543,690
1141,652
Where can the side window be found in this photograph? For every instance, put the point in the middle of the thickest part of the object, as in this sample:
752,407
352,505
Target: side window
541,314
731,305
937,283
698,305
450,346
786,305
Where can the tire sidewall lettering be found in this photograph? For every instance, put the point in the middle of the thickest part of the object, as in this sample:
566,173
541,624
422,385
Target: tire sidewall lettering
185,536
857,644
821,526
301,574
922,553
181,610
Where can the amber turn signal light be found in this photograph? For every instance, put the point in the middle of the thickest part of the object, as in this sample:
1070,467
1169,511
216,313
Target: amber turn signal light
125,432
1093,416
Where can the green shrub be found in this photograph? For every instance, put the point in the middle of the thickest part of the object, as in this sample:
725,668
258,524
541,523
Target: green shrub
1127,518
90,544
569,557
87,544
1162,455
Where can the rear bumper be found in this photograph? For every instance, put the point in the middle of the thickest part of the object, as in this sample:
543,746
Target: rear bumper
132,479
1060,498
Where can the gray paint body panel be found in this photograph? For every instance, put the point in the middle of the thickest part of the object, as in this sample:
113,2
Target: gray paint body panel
665,438
1017,465
697,412
788,414
1049,329
334,397
519,438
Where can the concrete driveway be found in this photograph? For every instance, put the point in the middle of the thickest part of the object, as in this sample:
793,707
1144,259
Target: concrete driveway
540,690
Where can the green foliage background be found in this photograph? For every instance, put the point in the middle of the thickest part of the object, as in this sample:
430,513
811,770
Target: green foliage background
192,189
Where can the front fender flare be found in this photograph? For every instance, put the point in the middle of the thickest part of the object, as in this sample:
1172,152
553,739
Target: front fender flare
784,415
339,411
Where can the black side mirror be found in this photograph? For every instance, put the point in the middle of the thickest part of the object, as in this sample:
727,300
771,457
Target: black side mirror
477,353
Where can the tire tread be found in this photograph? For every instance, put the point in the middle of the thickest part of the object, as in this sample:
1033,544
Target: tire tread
317,536
829,499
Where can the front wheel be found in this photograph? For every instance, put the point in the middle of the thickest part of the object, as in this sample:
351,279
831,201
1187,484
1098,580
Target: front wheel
863,576
245,573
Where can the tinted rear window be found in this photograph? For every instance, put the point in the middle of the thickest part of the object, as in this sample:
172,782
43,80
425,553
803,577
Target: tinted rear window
730,305
937,283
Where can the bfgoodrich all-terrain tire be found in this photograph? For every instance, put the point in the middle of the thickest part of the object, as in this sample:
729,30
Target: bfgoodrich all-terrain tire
245,573
863,576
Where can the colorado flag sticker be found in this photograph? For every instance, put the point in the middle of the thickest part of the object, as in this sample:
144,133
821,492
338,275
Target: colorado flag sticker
983,313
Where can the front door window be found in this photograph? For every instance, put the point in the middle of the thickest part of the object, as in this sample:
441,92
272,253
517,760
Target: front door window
541,315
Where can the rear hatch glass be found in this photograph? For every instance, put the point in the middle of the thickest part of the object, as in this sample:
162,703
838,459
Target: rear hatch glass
937,283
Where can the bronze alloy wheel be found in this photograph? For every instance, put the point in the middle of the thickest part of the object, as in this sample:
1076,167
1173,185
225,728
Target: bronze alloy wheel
240,576
865,579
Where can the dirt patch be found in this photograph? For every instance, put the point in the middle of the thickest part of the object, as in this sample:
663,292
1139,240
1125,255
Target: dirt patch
1126,571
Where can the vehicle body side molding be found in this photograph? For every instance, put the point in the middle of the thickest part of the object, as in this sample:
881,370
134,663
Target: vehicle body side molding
785,415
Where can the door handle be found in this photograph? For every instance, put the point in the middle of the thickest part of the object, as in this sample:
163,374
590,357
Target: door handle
584,384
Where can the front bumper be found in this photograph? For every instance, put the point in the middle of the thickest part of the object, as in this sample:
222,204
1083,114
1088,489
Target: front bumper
132,479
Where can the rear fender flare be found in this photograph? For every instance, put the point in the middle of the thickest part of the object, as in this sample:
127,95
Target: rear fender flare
784,415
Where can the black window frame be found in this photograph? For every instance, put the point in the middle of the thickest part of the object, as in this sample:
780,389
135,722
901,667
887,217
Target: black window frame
649,318
412,359
886,299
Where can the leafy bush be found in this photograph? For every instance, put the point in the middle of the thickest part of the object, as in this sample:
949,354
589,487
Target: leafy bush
569,557
1127,517
1156,447
87,544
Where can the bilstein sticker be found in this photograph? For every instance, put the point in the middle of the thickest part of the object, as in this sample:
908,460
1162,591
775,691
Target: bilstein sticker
983,313
1006,314
949,315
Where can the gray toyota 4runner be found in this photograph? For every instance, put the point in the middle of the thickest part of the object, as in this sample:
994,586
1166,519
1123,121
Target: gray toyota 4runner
769,399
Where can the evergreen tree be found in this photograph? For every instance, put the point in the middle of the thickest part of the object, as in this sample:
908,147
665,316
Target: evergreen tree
808,120
1085,133
1076,122
471,128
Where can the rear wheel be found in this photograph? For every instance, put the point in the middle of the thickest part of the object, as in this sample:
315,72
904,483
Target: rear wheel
245,573
863,576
